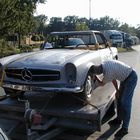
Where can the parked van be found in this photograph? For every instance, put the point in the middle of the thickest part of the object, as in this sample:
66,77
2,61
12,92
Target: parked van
114,37
127,40
136,40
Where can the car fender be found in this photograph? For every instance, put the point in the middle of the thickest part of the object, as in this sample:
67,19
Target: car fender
82,75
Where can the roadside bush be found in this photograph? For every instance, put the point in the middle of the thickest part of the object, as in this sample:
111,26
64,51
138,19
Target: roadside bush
38,38
122,49
5,49
35,38
2,47
26,48
42,38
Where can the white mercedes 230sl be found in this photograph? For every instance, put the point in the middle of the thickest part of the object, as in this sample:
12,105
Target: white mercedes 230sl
64,67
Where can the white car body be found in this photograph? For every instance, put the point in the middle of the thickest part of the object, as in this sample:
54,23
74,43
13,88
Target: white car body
57,69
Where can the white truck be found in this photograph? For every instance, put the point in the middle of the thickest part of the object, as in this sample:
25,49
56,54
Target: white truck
114,37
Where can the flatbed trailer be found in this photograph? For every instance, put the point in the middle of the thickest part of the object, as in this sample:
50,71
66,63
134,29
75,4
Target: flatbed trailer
39,116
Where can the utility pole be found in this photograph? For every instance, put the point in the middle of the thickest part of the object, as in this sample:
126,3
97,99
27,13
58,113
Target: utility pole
89,9
89,14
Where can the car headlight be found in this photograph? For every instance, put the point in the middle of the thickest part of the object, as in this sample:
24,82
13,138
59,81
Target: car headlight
70,71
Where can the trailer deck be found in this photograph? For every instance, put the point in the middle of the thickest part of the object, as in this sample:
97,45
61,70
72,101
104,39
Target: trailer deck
59,112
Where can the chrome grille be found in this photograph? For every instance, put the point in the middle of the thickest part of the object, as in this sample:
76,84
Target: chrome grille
37,74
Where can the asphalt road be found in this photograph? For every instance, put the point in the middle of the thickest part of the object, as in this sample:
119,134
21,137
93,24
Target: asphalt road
107,133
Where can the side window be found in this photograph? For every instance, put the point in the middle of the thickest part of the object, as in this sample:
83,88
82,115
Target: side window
88,39
92,40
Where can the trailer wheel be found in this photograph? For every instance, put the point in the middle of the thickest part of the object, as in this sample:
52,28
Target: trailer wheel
13,93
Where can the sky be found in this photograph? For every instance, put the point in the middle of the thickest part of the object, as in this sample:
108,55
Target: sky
126,11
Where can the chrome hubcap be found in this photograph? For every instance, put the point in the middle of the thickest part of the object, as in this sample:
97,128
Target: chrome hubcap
88,87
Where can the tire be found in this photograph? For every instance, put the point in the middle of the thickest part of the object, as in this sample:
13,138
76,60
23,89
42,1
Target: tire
88,88
116,57
13,93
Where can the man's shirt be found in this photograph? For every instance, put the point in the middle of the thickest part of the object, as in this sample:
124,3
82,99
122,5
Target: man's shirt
115,70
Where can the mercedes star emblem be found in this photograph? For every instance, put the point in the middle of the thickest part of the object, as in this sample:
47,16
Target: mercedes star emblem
26,75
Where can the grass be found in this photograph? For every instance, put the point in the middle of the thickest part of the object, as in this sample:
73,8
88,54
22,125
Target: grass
120,49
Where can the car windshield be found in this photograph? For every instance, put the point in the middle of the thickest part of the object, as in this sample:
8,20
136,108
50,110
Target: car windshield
70,41
116,36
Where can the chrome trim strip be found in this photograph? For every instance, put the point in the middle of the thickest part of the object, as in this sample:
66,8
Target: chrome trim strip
47,89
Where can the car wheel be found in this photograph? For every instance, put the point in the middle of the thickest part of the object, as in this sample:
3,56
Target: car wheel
13,93
116,57
88,87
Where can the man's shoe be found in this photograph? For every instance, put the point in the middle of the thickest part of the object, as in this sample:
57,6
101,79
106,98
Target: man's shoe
116,121
121,132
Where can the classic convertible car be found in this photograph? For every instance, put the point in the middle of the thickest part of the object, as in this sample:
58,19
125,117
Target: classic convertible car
63,68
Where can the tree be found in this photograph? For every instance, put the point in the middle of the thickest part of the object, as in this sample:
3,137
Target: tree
40,23
95,24
83,20
56,24
7,16
81,26
70,22
126,28
104,23
16,16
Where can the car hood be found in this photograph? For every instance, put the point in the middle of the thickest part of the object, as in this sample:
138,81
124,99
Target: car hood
46,57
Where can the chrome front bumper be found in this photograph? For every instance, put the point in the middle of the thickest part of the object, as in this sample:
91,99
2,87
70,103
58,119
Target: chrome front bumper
43,89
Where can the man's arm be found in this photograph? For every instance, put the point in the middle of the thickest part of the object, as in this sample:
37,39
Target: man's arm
115,84
116,87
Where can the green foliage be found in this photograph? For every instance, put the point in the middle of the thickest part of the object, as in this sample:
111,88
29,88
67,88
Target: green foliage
2,47
17,16
70,22
41,38
120,49
81,26
5,49
74,23
38,38
40,23
35,38
104,23
7,16
11,38
56,24
26,48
